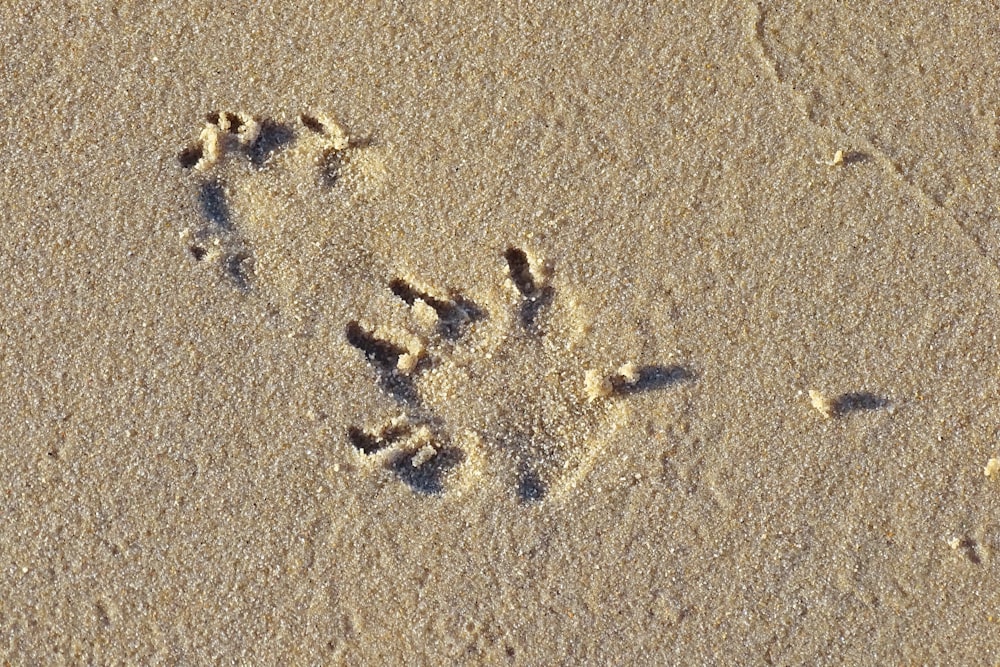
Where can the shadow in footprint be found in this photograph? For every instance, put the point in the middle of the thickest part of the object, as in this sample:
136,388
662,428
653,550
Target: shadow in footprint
428,477
272,137
969,546
856,157
366,443
536,297
531,308
400,387
237,267
378,352
532,457
861,401
191,156
212,199
370,443
453,313
654,377
334,160
330,168
530,486
384,358
453,329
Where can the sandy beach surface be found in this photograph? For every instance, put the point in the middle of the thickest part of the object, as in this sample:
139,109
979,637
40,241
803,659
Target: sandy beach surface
437,333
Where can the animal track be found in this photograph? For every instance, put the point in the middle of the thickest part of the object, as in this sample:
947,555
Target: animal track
495,391
219,239
492,385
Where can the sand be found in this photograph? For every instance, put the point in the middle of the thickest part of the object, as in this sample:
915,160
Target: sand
335,333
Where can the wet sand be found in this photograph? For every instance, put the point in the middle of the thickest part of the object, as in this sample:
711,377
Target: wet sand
436,334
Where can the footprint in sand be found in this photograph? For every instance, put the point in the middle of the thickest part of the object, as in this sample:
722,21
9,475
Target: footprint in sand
319,146
497,391
492,393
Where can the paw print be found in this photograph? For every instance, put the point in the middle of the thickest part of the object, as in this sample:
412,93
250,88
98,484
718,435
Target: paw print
498,391
494,393
222,238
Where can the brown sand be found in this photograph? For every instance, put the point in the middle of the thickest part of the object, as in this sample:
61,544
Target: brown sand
516,369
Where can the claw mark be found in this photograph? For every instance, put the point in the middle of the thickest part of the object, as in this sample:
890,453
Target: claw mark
329,128
392,362
365,442
372,442
425,470
337,141
452,313
520,272
536,296
191,156
971,550
379,352
312,123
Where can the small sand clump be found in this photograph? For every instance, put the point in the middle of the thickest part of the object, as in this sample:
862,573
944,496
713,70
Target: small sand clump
823,403
629,373
596,385
423,455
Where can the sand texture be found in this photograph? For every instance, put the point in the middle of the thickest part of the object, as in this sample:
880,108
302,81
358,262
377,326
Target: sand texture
437,333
